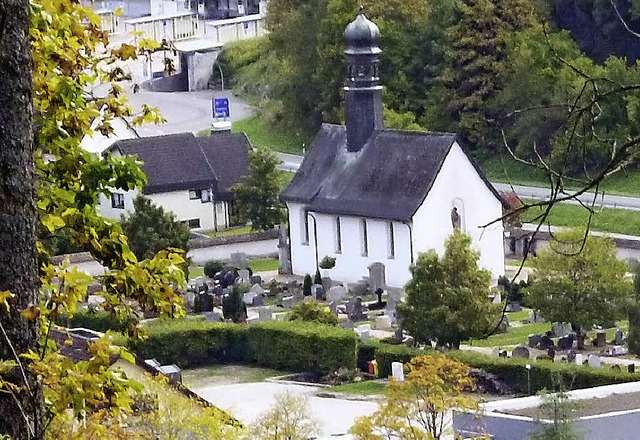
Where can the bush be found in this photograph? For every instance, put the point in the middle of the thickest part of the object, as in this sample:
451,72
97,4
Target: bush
367,352
193,342
99,321
312,311
306,285
512,371
233,306
317,279
212,267
302,346
327,262
292,346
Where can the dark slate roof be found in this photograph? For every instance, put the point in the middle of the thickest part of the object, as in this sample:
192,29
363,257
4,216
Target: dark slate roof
183,162
388,178
228,155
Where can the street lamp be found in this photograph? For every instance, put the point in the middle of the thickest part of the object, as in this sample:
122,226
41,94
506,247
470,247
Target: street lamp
528,367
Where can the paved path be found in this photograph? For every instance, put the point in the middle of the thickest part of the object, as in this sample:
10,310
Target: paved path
248,401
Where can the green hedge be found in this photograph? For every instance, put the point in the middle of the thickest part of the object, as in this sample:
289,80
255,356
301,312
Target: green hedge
302,346
512,371
367,352
193,342
288,345
99,321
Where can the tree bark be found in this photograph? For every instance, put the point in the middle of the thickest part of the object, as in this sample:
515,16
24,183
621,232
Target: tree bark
21,411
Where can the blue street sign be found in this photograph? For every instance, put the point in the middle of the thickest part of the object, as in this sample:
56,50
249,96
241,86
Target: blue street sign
220,107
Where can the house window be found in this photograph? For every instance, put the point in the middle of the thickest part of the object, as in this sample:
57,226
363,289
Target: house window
193,223
338,237
365,244
392,241
117,200
305,227
195,194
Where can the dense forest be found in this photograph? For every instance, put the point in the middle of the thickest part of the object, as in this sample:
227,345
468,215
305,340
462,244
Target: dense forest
554,80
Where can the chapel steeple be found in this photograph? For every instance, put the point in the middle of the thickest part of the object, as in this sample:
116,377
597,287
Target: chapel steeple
363,93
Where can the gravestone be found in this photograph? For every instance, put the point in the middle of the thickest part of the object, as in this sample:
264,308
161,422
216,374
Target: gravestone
289,301
631,368
358,289
560,329
333,307
257,289
355,310
535,317
503,353
206,302
579,360
284,251
571,355
546,343
618,350
255,279
243,276
190,299
594,361
258,300
383,322
619,338
292,286
336,293
248,297
214,316
364,332
398,335
377,278
534,340
218,290
566,342
397,371
239,260
601,339
513,307
521,352
265,314
153,363
173,372
317,291
327,283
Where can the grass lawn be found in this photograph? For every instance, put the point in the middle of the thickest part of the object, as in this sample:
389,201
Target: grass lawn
227,374
518,316
196,271
263,135
284,177
227,232
264,265
505,169
515,336
621,221
365,387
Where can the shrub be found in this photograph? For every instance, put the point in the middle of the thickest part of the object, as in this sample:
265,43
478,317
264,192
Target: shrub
99,321
367,352
212,267
306,285
312,311
286,345
327,262
512,371
317,279
233,306
193,342
302,346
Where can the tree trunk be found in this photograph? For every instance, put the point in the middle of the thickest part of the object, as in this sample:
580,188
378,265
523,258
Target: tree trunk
21,413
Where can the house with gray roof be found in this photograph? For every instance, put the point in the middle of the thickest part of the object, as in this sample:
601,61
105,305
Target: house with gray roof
187,175
365,194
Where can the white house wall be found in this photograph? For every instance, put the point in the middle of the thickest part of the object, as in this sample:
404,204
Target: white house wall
458,184
351,264
106,210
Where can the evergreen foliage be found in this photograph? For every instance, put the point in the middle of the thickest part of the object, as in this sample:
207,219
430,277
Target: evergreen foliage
256,197
312,311
447,298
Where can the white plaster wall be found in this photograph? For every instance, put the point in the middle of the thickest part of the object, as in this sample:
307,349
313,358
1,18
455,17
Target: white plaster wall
458,182
221,218
179,203
105,209
351,264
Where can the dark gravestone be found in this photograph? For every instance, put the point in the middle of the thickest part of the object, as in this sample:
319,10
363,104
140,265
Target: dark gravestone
565,343
521,352
258,300
571,355
255,279
619,338
534,340
502,353
206,302
601,339
355,310
546,343
631,368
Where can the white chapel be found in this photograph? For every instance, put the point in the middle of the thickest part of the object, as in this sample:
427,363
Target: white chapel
365,194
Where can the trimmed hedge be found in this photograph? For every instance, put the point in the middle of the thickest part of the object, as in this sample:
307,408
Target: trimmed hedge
287,345
302,346
512,370
367,352
99,321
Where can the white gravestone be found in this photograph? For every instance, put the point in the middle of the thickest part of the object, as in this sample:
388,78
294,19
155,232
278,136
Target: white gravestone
594,361
397,371
578,359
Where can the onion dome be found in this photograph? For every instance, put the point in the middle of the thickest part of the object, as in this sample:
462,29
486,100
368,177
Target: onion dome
361,36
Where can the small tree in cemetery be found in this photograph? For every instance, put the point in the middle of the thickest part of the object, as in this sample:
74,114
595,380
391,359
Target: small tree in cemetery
256,196
417,408
288,419
212,267
447,298
233,306
307,282
560,410
579,279
150,229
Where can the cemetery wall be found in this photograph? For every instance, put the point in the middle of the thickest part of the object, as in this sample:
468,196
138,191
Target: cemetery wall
459,185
